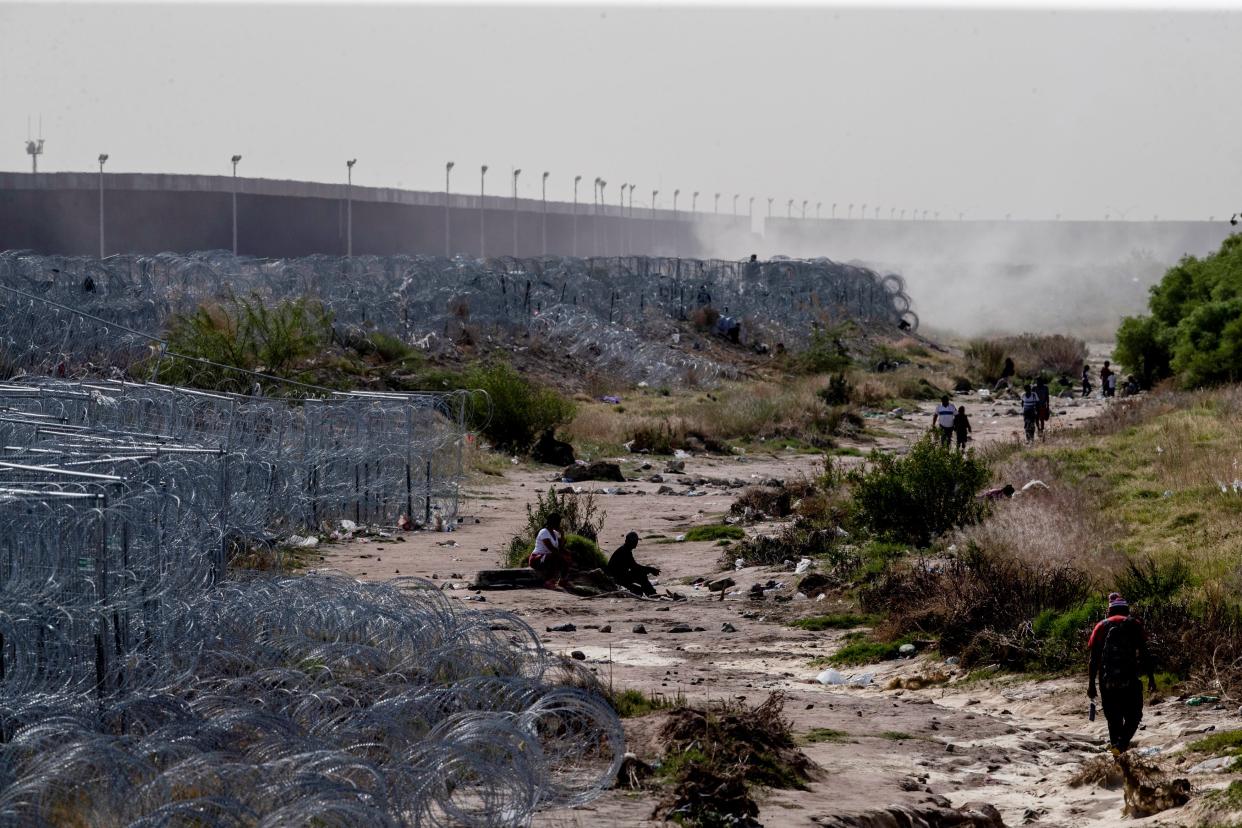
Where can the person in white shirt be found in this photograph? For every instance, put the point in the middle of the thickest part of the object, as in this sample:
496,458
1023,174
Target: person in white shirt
548,557
943,420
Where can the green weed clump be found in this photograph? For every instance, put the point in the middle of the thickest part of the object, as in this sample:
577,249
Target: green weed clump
824,734
834,621
921,495
714,532
634,704
1050,355
867,651
825,354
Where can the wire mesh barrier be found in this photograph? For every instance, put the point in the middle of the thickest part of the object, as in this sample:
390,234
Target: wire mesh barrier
621,311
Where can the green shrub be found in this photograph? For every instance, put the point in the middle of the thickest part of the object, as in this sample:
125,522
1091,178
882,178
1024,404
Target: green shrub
517,411
825,354
584,552
1033,355
918,496
985,358
1194,331
580,515
825,734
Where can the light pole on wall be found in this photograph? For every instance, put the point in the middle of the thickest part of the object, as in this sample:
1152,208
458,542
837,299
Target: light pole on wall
694,200
544,196
804,208
818,205
789,208
349,207
235,159
862,213
577,178
716,209
516,173
102,158
595,216
482,218
654,193
750,208
877,211
770,200
448,232
834,209
621,221
604,209
849,214
891,212
735,204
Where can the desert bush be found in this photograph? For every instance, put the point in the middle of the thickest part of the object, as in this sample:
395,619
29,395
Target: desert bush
584,552
921,495
982,604
1032,354
838,391
985,359
580,515
518,410
704,317
244,333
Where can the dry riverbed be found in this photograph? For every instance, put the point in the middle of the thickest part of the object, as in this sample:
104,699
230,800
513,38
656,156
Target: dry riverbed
1014,744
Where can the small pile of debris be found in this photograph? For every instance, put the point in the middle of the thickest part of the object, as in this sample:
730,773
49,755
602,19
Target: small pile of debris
720,753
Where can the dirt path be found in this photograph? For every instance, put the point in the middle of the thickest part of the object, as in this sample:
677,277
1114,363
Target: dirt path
1014,745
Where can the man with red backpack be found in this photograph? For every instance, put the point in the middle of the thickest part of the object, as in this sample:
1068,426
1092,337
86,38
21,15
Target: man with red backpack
1119,656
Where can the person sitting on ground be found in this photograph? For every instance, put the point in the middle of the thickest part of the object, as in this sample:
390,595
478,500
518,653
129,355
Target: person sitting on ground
961,427
943,420
999,493
1119,655
548,557
1006,374
1044,411
629,573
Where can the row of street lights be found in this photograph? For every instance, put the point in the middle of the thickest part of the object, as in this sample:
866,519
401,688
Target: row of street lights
597,199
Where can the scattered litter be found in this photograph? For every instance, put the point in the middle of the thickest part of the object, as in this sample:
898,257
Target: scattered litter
309,542
834,678
1196,701
803,566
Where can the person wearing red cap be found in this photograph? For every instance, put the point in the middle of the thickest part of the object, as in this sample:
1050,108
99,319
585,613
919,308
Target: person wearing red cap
1119,655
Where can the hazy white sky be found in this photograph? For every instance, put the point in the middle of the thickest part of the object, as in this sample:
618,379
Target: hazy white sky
985,112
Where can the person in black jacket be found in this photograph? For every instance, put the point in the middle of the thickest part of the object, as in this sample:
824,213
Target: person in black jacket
1119,657
629,573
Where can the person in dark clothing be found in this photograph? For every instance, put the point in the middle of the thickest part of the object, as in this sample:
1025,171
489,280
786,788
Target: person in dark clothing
1119,655
1044,411
1030,411
1105,373
1086,380
1006,374
961,427
753,268
629,573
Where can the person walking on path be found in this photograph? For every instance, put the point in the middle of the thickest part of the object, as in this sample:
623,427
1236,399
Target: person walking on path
548,557
1105,373
1045,404
943,420
961,427
1030,411
628,572
1119,655
1086,380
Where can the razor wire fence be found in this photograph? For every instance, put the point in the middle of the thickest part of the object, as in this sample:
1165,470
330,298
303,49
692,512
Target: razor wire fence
602,307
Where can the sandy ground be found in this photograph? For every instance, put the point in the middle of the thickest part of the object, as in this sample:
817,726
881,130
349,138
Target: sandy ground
1014,745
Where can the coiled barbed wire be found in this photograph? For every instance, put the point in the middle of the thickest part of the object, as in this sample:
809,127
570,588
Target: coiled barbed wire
601,307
